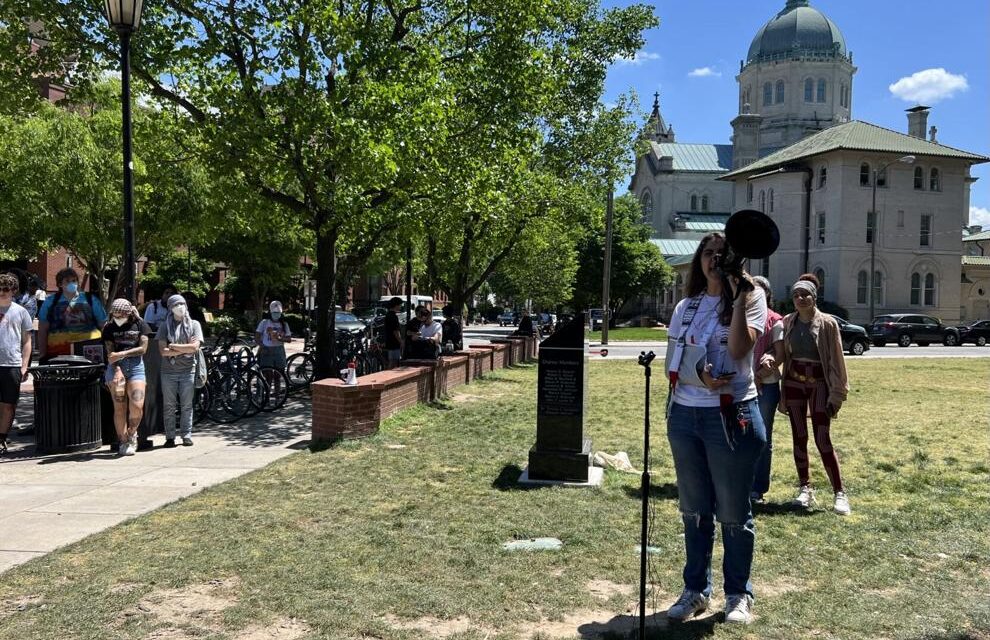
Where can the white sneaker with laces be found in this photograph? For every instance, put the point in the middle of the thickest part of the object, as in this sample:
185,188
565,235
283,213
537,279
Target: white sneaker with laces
805,497
738,608
691,603
128,449
841,505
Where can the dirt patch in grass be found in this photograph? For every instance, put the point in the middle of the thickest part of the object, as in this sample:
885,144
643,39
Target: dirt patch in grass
781,587
14,605
284,629
431,627
197,605
465,397
605,589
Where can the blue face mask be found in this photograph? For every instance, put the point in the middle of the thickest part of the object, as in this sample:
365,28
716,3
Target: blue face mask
72,288
276,315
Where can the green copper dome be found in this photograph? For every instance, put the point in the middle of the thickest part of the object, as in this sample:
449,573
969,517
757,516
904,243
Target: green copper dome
799,31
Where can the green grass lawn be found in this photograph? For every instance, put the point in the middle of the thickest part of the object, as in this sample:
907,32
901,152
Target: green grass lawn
629,334
399,536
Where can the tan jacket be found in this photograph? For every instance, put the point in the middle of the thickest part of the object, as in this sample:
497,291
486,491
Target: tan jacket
826,332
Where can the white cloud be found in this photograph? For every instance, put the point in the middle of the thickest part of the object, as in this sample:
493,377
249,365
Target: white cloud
705,72
639,58
981,216
928,86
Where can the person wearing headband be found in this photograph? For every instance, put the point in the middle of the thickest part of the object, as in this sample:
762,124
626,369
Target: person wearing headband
179,338
125,337
715,430
815,382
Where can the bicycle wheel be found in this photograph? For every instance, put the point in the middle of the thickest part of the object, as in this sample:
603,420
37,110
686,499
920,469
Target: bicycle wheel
229,399
278,388
257,390
299,369
201,404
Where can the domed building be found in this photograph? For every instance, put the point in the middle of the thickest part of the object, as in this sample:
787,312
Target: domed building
797,155
795,81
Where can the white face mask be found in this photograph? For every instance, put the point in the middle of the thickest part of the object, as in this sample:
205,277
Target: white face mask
179,311
120,321
276,315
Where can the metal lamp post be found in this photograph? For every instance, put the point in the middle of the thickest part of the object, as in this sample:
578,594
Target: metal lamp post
873,230
124,17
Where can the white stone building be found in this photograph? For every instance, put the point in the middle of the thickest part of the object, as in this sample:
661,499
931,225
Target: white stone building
797,155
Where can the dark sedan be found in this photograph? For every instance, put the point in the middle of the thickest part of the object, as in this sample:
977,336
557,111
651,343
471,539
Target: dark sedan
854,338
976,332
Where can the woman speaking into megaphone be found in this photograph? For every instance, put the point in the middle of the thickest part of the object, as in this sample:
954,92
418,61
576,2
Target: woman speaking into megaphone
714,425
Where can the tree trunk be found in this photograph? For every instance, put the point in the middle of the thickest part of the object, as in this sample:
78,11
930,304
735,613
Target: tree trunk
326,275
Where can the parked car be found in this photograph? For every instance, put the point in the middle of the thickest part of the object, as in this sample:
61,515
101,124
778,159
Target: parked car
438,315
508,319
976,332
344,321
905,328
854,338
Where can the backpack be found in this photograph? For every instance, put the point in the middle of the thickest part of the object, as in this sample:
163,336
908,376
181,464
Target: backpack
50,318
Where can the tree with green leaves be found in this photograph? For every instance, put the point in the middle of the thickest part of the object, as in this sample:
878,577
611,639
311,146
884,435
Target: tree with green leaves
638,268
341,112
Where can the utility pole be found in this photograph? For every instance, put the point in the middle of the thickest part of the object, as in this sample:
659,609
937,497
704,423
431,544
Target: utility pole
608,267
408,282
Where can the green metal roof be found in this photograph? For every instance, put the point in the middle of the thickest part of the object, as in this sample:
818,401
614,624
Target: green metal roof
700,221
712,158
797,31
977,260
858,136
690,225
976,237
676,261
669,247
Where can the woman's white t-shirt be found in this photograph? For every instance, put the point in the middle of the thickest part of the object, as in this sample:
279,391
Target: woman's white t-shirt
743,385
430,330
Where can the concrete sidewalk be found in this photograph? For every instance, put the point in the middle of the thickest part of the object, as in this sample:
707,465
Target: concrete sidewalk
48,502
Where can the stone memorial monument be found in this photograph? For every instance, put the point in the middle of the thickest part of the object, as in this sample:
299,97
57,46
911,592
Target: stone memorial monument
562,454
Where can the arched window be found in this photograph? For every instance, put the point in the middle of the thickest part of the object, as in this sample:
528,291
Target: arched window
647,206
809,90
780,91
930,290
771,200
844,96
861,287
767,94
704,203
749,192
935,180
877,288
821,90
919,178
694,202
763,201
882,178
820,274
864,175
915,288
822,177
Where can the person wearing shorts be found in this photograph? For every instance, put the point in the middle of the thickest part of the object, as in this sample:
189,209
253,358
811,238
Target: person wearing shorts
125,337
272,333
15,352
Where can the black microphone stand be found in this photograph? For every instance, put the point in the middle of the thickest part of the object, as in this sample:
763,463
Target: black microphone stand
644,360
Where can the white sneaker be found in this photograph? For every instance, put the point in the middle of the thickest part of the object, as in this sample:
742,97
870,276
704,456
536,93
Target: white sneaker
805,497
841,505
738,608
691,603
128,449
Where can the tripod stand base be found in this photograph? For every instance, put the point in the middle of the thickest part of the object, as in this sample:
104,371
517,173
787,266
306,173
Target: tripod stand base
595,477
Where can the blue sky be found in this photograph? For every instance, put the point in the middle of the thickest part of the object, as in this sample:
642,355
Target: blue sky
889,40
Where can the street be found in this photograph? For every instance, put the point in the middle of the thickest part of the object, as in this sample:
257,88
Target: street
631,350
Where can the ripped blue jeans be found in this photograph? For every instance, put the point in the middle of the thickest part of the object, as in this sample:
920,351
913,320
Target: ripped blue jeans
714,481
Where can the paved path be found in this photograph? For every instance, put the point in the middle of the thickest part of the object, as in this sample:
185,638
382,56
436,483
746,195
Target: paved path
50,501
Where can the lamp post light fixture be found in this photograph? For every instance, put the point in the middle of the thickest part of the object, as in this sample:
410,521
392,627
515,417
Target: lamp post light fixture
873,231
124,17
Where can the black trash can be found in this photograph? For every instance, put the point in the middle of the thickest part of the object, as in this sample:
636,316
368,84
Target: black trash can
67,413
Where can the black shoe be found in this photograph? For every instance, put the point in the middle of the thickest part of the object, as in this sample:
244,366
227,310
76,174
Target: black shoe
145,444
169,443
187,442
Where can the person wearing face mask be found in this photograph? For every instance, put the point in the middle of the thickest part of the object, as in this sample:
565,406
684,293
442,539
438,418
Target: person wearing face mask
272,334
815,382
15,353
68,316
179,337
156,311
125,337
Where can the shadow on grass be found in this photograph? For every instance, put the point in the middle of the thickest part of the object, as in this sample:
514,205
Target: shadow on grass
782,509
658,627
665,491
508,480
952,635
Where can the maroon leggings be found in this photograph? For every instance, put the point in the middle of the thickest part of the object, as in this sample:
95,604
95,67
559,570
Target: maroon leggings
800,397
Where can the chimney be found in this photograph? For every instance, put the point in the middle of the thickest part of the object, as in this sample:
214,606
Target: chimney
917,121
975,229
